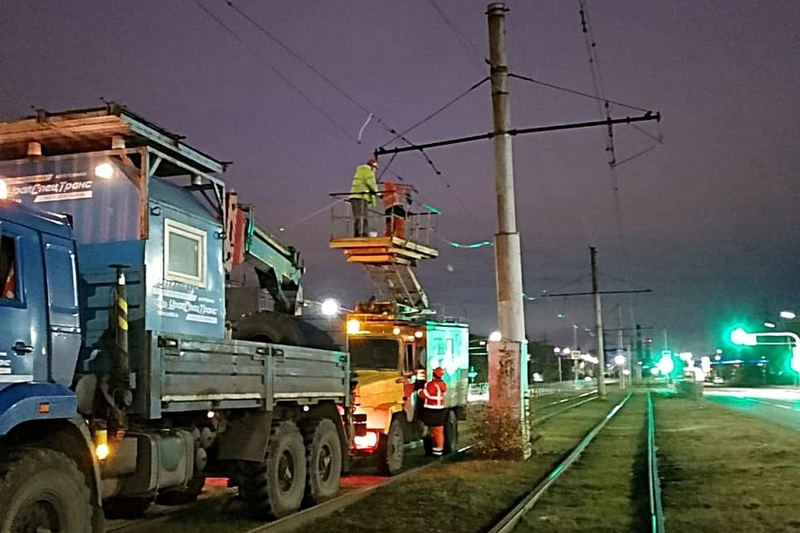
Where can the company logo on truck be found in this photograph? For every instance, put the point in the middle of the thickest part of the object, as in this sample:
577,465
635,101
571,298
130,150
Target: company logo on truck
50,187
190,307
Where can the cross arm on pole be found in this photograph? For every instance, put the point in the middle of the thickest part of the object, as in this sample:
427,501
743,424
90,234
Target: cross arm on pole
539,129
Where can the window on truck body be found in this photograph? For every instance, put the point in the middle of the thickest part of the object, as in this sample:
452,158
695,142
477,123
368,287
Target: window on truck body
184,254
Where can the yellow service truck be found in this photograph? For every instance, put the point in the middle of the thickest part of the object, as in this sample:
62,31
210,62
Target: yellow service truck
393,359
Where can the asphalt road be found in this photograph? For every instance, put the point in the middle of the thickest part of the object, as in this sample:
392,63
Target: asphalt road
777,405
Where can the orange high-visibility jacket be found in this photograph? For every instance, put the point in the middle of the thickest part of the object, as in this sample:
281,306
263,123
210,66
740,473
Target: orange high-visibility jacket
433,394
10,285
395,194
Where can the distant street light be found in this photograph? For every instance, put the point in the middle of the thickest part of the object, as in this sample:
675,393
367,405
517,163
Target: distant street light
788,315
495,336
620,359
769,325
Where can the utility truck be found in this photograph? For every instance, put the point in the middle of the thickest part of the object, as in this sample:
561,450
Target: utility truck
395,339
129,368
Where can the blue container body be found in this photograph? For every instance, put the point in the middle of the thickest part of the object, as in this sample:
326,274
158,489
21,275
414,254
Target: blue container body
108,214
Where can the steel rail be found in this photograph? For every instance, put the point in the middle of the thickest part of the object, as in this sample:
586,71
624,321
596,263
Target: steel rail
296,520
321,510
510,520
539,420
142,525
656,508
571,398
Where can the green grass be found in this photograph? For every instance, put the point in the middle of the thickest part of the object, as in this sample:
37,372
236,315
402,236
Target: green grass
468,496
599,492
723,471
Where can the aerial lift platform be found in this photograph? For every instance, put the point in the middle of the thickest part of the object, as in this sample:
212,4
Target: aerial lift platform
390,254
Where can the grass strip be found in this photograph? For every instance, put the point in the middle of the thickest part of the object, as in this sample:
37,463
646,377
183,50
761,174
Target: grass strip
600,492
468,496
724,471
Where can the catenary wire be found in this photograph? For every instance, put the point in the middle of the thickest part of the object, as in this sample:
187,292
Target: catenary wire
336,87
463,39
573,91
429,117
274,70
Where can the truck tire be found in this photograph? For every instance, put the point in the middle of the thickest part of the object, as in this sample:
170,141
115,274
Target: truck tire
451,432
268,326
43,490
391,449
324,454
275,488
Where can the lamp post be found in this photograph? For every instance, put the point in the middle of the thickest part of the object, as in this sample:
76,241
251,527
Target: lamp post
557,351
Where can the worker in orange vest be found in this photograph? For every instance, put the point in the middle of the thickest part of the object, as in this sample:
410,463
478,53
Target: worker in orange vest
9,284
396,198
434,415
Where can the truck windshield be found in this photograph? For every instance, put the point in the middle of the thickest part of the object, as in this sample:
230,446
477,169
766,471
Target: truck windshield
373,354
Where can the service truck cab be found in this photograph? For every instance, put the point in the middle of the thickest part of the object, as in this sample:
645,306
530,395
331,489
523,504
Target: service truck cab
392,360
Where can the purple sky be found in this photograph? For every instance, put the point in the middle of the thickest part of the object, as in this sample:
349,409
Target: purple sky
708,218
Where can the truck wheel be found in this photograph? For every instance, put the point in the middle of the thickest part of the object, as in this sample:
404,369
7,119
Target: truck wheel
275,488
43,490
268,326
324,454
451,432
391,449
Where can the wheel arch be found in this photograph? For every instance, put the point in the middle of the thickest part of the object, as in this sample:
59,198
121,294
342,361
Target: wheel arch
70,437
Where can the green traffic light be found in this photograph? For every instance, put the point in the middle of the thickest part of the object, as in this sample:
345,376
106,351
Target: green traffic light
666,365
742,338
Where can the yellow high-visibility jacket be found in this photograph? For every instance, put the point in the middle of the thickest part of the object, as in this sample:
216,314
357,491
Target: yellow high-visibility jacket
364,185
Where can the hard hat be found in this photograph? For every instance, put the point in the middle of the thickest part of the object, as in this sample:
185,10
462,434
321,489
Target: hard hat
438,372
372,162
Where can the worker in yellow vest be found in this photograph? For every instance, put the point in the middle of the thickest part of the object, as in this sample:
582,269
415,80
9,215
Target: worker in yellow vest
363,195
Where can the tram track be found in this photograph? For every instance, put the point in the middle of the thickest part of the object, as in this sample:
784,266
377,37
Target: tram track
554,519
344,500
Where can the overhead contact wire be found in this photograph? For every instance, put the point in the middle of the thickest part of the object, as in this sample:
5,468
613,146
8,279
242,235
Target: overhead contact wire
274,70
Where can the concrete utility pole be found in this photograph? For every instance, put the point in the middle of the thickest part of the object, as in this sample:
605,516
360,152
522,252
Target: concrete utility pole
621,347
508,358
598,318
511,314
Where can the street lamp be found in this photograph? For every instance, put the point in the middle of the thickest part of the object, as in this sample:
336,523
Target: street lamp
557,351
788,315
330,307
495,336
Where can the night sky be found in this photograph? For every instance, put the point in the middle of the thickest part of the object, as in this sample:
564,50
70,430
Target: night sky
708,217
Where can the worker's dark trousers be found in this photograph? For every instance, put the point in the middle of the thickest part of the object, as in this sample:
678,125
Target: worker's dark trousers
360,226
